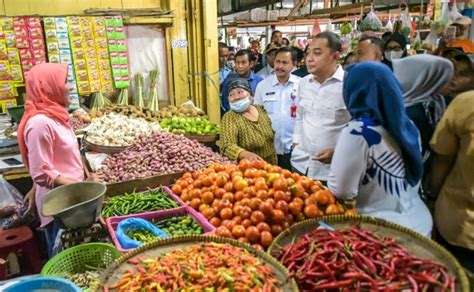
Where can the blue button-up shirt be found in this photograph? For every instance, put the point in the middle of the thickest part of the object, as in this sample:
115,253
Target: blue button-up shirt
277,99
253,80
223,73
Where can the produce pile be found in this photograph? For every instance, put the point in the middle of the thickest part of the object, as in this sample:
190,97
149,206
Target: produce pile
118,130
142,235
154,116
254,201
135,203
197,267
158,154
84,280
197,126
79,120
356,259
180,225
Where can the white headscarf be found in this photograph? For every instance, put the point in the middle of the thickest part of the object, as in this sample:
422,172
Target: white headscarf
422,77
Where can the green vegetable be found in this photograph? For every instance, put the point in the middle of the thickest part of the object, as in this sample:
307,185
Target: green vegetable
346,28
138,203
142,235
197,126
180,225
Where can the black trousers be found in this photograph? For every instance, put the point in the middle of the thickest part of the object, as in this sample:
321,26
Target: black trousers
284,161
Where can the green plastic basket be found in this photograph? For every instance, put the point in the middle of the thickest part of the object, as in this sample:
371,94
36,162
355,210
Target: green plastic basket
80,258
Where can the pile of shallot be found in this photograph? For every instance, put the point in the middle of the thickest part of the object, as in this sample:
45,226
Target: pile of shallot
157,154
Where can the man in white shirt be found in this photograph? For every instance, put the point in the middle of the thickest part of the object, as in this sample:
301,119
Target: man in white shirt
321,113
270,58
279,96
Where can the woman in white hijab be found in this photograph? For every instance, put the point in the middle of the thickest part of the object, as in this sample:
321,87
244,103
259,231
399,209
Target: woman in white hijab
422,77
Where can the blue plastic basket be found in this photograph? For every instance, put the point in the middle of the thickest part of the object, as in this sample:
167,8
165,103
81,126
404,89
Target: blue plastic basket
44,283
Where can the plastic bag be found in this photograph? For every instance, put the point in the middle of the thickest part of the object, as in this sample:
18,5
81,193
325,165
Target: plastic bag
371,22
454,14
444,18
12,211
135,223
8,201
389,25
416,44
431,41
406,23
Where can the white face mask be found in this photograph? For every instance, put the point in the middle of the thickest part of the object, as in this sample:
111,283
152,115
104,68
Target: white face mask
231,64
393,55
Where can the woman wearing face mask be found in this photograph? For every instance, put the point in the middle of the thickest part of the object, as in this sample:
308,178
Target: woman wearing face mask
48,146
246,129
395,48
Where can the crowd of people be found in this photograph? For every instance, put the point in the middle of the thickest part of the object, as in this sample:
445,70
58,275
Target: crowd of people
391,130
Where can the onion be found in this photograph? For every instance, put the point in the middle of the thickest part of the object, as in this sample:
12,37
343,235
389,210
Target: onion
158,154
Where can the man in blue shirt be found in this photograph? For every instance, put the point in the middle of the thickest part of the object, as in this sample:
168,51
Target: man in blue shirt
224,71
244,60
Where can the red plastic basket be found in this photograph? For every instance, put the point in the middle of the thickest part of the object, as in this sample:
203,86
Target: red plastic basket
168,191
112,222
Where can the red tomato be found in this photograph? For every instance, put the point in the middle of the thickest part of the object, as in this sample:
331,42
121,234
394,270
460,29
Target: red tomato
244,240
245,212
221,180
280,184
176,189
207,197
261,184
195,203
262,226
278,216
266,208
226,213
250,172
237,220
279,196
229,224
257,217
295,208
244,164
282,205
238,231
238,196
262,194
216,222
240,185
276,229
252,234
258,164
266,238
229,187
208,212
246,223
223,232
254,203
311,211
257,246
219,192
229,197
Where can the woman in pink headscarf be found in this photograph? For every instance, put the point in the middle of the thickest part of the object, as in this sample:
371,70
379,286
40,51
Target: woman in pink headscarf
47,142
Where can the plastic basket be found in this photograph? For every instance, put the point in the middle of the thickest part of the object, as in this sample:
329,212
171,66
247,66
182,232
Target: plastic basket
77,259
112,222
44,284
167,191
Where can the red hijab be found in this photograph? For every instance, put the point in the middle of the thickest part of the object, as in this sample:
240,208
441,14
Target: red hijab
45,85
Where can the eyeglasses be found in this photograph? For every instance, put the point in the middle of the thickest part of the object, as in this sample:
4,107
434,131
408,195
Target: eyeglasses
396,49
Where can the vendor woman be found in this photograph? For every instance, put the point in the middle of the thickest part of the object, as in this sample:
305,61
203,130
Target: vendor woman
47,142
377,160
246,131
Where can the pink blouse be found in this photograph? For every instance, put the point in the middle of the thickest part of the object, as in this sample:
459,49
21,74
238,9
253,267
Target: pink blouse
52,151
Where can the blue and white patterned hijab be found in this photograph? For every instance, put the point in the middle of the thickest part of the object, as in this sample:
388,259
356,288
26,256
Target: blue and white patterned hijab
371,91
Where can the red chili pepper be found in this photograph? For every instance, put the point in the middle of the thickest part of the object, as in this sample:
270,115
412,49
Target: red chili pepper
333,285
